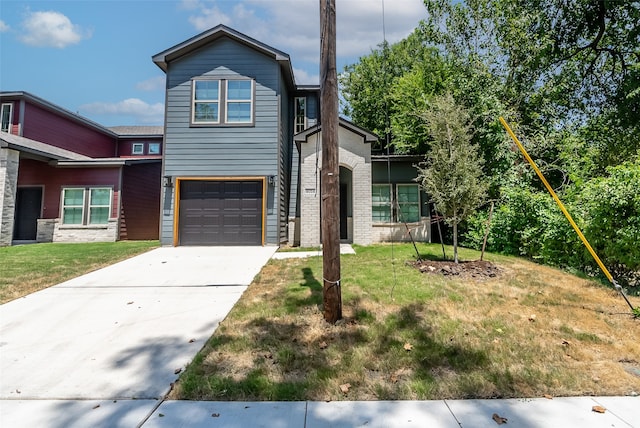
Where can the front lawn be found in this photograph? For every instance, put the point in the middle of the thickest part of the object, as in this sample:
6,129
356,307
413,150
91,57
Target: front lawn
528,332
28,268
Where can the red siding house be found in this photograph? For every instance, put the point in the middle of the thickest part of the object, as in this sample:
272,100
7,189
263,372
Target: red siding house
64,178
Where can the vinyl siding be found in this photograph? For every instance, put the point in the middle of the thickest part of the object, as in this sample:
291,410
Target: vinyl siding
216,151
44,126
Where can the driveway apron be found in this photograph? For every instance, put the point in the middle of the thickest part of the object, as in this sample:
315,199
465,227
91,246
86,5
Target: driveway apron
122,332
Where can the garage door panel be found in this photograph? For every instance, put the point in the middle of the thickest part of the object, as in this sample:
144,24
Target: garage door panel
220,213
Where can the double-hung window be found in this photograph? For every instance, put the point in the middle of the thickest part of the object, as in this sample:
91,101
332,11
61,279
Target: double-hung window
239,101
5,116
381,203
408,202
206,102
84,206
405,207
301,114
222,102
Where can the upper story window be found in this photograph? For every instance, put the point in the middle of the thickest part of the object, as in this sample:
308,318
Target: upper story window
5,115
222,101
301,114
137,149
154,148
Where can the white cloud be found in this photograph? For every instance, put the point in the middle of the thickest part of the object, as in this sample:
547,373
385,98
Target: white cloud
303,77
51,29
151,84
144,113
293,26
3,26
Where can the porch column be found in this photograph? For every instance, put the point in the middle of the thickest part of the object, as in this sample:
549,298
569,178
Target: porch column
310,196
9,162
362,221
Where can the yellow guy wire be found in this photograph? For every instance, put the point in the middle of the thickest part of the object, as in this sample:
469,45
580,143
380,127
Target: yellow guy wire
558,201
565,212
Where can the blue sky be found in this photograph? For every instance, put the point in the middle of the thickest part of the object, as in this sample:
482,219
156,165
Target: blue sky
93,57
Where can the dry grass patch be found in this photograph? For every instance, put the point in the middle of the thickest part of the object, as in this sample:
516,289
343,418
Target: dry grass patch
530,331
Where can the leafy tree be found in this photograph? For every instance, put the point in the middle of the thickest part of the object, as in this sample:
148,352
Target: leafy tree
453,171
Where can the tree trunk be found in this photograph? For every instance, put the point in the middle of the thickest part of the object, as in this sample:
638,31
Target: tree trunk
455,242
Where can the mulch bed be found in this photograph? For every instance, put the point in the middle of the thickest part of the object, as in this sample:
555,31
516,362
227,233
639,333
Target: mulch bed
465,269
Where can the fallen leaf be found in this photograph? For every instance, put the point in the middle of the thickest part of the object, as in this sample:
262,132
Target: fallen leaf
96,406
408,347
160,415
130,303
532,317
548,397
393,378
323,345
345,387
176,371
215,415
598,409
18,391
191,340
499,419
566,343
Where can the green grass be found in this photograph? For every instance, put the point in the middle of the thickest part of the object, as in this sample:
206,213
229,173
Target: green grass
467,338
28,268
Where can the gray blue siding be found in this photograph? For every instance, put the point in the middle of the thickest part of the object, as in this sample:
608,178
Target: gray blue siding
217,151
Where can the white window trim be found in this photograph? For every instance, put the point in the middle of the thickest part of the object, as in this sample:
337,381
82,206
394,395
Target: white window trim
86,205
398,185
227,102
194,101
2,108
152,152
295,119
134,146
389,204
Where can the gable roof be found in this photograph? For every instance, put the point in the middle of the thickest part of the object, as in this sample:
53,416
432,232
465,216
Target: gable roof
56,109
163,58
350,126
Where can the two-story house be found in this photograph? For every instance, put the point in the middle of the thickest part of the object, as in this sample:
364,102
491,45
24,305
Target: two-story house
237,162
64,178
242,154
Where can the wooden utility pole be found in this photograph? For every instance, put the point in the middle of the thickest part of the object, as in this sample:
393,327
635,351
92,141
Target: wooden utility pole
330,174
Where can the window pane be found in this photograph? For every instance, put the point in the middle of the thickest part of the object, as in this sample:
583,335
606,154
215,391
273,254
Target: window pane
206,89
380,193
381,213
239,112
100,197
73,197
72,215
154,148
408,193
98,215
409,213
409,203
238,90
6,117
206,112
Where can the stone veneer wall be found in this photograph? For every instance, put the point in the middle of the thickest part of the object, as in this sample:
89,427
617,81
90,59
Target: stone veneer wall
9,163
46,227
93,233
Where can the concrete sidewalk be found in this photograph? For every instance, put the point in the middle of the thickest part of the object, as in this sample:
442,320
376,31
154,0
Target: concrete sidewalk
621,412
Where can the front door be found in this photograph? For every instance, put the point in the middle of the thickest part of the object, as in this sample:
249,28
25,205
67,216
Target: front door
344,211
28,210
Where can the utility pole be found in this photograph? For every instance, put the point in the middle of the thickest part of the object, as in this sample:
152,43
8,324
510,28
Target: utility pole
330,174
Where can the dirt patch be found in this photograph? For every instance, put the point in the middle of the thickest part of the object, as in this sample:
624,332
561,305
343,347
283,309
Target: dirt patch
477,269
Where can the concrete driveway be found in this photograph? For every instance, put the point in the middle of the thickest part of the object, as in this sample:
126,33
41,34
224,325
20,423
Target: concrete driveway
121,332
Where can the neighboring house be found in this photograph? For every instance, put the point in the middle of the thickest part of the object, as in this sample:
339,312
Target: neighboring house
64,178
232,173
238,165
